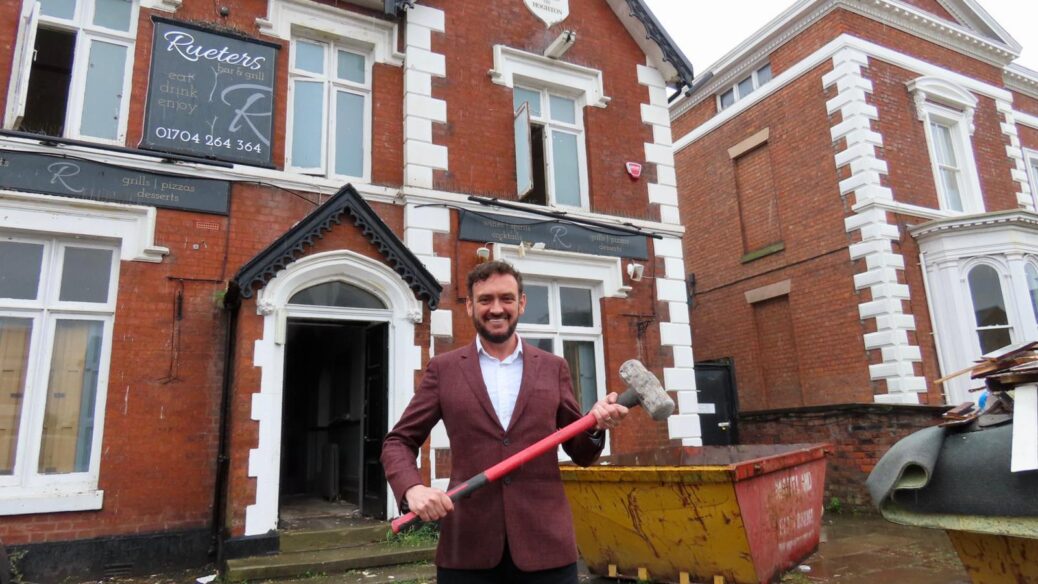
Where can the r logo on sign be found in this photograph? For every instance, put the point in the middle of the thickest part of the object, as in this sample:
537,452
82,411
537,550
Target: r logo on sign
550,11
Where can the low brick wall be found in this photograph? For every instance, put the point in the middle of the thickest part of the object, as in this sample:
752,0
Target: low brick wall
859,434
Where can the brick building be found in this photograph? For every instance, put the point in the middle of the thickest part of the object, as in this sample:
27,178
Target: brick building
863,176
232,234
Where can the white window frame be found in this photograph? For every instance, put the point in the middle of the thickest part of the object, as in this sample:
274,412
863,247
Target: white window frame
26,490
941,102
559,333
1005,285
552,126
86,33
513,67
949,249
737,94
332,86
1031,167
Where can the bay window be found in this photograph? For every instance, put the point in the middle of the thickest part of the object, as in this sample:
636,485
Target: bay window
71,75
330,110
57,304
989,309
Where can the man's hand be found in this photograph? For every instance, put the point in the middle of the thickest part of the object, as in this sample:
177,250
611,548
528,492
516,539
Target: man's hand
607,412
428,503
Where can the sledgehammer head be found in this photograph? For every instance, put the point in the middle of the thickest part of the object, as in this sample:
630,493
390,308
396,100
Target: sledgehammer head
648,389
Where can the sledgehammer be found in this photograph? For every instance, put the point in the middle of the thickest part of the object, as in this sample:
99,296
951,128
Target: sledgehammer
642,389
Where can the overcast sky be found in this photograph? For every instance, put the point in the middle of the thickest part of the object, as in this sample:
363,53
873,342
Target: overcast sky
707,29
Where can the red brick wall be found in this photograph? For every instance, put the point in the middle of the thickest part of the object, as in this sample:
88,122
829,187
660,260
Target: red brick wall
858,437
161,416
823,302
933,7
758,210
773,324
480,115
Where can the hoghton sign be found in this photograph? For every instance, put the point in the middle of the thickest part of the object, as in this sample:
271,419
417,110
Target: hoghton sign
550,11
559,235
210,95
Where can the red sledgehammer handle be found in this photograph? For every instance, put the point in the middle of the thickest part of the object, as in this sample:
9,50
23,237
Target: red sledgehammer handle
512,462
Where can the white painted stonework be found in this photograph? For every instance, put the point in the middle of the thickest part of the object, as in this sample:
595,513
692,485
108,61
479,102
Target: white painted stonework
404,311
882,265
421,109
1007,241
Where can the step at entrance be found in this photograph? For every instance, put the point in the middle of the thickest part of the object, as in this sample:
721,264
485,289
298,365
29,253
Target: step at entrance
328,551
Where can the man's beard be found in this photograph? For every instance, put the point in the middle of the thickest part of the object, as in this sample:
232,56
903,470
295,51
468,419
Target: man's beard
495,338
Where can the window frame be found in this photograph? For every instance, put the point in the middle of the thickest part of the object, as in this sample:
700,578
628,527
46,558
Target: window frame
86,33
1012,319
27,490
733,89
962,146
332,86
551,126
1031,168
560,333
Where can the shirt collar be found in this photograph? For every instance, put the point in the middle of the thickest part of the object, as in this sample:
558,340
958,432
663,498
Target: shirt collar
515,354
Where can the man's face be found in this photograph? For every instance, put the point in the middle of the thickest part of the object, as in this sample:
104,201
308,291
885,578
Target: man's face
495,307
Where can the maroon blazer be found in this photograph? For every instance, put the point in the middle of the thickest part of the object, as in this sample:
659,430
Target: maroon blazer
529,507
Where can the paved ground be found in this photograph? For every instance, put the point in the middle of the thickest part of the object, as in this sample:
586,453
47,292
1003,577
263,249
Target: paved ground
855,549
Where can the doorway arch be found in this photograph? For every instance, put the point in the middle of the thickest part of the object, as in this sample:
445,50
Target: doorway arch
403,311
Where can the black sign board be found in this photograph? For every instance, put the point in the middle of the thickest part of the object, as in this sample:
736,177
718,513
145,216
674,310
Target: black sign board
560,235
210,95
83,179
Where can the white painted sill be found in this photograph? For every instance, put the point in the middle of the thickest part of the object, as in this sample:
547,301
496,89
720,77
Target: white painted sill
25,503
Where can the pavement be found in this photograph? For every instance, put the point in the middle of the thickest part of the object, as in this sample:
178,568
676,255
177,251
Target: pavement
855,549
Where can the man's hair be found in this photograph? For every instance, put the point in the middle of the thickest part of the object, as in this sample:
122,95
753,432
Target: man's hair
493,268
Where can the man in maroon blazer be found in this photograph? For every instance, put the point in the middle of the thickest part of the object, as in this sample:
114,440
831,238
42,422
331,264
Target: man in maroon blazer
497,396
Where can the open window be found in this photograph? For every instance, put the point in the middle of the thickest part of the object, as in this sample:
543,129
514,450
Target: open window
72,65
551,160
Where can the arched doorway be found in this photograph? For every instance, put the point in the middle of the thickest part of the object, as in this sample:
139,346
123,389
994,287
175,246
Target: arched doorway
334,403
337,360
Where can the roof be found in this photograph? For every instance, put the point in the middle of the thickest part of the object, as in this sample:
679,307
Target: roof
294,242
654,41
973,31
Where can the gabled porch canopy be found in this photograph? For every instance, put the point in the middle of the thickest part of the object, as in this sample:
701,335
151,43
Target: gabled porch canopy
294,242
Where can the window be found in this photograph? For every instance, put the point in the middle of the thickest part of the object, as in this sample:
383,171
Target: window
1032,287
72,69
989,309
551,161
564,319
57,301
330,110
946,112
745,86
338,294
1031,157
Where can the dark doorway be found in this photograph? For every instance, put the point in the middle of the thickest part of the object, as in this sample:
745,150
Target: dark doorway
715,381
334,413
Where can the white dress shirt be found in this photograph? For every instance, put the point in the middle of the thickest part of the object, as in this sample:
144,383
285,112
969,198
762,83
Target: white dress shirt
502,378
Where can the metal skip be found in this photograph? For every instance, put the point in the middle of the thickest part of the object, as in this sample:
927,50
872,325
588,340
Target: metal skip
741,513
